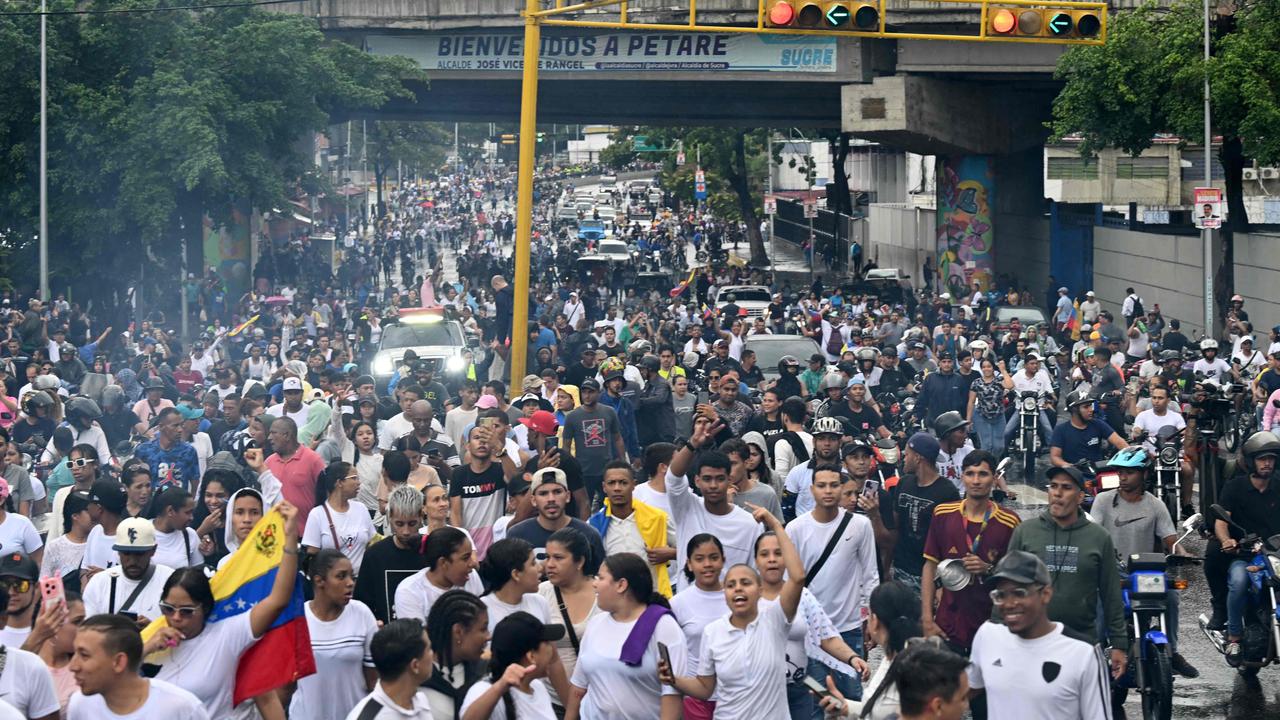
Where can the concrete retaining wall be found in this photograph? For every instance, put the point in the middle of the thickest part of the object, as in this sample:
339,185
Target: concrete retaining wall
901,236
1258,277
1164,269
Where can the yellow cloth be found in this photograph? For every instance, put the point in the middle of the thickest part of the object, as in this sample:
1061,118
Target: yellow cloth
652,523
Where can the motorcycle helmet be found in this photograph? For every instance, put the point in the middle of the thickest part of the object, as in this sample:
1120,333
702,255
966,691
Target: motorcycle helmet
46,382
979,347
1263,442
112,396
1134,456
1168,355
690,360
650,363
830,381
80,408
827,426
35,400
1077,398
1208,344
788,361
948,422
866,354
639,348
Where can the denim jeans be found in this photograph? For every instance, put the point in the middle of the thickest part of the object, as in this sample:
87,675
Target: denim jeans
800,701
990,433
1237,596
1015,421
849,685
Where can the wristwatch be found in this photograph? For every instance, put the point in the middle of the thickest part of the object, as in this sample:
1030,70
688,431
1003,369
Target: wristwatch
692,447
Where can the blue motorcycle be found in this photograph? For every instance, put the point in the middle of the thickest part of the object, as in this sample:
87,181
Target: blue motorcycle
1145,592
1261,640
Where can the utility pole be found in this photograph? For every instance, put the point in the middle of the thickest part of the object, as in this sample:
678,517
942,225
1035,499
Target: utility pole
773,257
524,194
186,310
44,155
1206,233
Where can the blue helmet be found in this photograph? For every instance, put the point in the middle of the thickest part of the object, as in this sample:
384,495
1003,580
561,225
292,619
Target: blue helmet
1134,456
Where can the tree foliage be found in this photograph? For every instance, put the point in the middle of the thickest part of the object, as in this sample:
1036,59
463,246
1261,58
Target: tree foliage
158,118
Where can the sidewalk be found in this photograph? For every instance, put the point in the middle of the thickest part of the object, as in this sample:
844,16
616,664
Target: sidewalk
789,261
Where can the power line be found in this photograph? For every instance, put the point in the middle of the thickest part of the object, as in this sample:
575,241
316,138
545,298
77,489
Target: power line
143,11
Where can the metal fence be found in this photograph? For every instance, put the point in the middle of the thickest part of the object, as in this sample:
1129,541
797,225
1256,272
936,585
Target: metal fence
792,226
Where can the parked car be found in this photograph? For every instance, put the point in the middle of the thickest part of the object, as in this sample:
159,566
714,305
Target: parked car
1027,316
889,285
769,349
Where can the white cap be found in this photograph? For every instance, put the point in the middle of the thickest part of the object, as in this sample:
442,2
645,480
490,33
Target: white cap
135,535
1089,294
292,383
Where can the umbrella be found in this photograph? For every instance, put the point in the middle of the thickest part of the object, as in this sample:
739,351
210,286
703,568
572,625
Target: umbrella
276,300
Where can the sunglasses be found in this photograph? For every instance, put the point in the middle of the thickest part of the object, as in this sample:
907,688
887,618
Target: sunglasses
16,585
79,462
185,611
1021,593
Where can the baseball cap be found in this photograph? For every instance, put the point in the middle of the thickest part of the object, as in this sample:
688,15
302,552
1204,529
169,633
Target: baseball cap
19,565
1034,356
527,397
530,383
541,422
135,535
858,445
110,495
590,384
548,475
925,445
485,402
1089,294
190,413
367,400
292,383
1022,567
517,486
855,380
1076,476
521,632
1062,289
916,345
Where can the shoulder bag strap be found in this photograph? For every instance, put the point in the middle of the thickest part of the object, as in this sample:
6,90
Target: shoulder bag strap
137,590
370,710
186,543
568,624
332,530
111,603
826,551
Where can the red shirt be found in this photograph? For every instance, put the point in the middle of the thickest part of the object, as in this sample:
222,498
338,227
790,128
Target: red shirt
297,477
961,613
184,381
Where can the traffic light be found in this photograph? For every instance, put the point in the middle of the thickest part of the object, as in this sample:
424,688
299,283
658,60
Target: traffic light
1043,22
795,14
542,136
509,139
779,13
851,15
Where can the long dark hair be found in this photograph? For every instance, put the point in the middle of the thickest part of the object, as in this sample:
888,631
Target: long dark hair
633,569
455,607
329,479
578,546
195,583
694,543
897,607
441,544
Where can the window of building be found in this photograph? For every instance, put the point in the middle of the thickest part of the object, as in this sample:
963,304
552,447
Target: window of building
1072,168
1142,168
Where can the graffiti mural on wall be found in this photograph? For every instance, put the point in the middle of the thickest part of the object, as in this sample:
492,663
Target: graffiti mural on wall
966,196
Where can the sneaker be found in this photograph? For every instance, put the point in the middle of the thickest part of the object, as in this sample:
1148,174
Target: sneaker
1182,667
1232,651
1188,511
1218,620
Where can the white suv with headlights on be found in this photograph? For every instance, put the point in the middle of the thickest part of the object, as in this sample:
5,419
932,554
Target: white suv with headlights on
429,335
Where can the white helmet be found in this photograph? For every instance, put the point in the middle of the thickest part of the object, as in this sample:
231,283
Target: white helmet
1208,344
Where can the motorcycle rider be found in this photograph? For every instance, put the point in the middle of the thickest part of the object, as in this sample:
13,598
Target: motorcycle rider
859,417
1252,502
796,498
1029,378
943,391
954,444
1107,387
1149,422
1209,364
655,415
788,382
1082,437
1176,378
1139,523
871,373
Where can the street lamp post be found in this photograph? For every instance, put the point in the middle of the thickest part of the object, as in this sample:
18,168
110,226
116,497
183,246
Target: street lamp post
44,155
1206,233
524,193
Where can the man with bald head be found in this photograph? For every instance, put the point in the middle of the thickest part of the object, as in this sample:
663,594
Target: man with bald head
434,443
296,466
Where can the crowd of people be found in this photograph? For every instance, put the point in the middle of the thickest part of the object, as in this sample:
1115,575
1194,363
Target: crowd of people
651,525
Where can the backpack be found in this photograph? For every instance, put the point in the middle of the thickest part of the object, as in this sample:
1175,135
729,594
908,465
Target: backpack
798,449
1138,310
835,342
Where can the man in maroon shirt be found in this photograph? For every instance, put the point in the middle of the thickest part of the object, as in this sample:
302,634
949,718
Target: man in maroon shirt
296,466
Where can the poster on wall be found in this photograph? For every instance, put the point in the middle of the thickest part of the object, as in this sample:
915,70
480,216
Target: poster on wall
966,233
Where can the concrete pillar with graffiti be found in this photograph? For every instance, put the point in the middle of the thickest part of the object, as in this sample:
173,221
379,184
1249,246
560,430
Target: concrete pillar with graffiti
966,226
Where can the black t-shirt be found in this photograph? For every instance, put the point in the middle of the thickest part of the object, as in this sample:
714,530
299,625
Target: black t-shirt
572,474
22,431
771,430
532,532
1257,512
912,506
119,426
1174,340
863,422
578,372
385,565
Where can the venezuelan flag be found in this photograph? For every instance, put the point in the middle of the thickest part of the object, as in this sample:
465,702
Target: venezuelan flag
243,326
283,653
1073,323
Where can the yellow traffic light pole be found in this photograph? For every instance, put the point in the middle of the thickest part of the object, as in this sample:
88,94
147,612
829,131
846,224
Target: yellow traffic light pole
535,18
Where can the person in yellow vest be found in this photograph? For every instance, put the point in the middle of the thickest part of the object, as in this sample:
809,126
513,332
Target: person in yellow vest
627,525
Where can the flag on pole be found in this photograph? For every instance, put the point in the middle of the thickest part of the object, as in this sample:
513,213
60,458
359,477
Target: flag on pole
678,290
243,326
1073,322
283,653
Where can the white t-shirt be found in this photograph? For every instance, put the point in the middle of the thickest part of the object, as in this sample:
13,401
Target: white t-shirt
299,417
171,550
8,712
799,483
97,593
532,603
99,551
615,690
421,709
341,649
17,533
737,530
695,608
355,530
647,495
164,700
749,664
1149,421
1218,369
534,705
1039,382
14,637
61,556
416,594
1050,677
845,582
206,664
27,685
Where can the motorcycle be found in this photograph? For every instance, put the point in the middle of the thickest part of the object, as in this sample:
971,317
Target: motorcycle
1260,644
1146,605
1027,442
1167,477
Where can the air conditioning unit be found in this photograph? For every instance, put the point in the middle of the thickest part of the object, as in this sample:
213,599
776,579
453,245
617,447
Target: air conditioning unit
1269,173
1250,173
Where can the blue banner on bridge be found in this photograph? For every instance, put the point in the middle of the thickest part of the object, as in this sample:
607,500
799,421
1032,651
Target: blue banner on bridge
605,51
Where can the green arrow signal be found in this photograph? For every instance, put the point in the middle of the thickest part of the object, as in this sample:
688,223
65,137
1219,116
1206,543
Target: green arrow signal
837,15
1060,24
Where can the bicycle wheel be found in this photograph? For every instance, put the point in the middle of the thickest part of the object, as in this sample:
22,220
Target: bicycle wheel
1157,697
